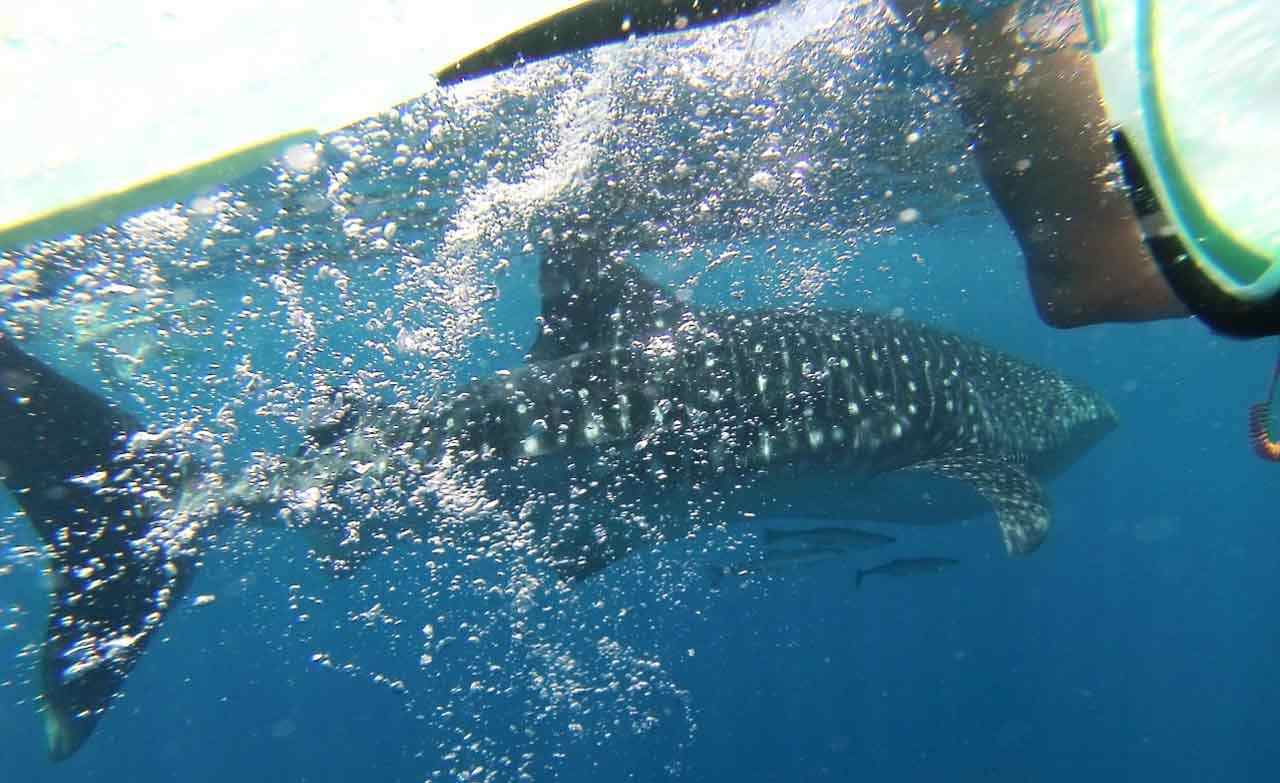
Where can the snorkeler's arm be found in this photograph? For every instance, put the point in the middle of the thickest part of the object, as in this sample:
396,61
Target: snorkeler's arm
1041,142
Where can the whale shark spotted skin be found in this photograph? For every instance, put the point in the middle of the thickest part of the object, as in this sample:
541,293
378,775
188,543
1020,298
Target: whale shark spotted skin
636,418
632,395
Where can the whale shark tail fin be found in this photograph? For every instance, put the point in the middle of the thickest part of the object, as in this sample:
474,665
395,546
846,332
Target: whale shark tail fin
92,493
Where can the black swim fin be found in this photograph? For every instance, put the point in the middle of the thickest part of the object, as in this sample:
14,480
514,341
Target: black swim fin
593,23
96,499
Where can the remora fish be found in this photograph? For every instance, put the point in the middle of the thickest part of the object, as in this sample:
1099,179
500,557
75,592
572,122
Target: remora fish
907,567
630,394
775,562
844,538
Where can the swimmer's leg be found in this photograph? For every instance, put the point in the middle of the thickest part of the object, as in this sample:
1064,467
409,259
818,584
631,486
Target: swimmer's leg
1042,144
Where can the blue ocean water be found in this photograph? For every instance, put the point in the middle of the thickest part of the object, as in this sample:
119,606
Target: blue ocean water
1137,643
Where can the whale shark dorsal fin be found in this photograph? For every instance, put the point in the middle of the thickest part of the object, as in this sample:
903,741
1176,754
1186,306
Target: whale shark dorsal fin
1021,505
592,300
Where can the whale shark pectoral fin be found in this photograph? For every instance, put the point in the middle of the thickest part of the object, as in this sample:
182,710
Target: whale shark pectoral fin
340,549
580,544
580,541
1020,502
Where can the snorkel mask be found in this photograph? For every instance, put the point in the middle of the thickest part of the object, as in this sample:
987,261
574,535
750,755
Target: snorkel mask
1193,92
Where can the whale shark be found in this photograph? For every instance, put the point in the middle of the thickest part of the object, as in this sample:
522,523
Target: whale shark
637,417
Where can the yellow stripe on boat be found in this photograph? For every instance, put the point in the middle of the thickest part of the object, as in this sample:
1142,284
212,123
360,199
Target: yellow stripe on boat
111,108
